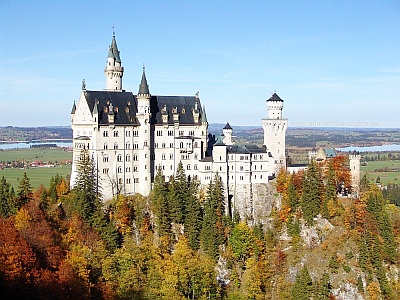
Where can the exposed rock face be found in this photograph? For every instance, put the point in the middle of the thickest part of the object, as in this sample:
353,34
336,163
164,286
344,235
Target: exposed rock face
255,202
347,291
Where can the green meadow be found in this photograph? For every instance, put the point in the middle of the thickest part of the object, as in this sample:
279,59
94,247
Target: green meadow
372,171
33,154
37,176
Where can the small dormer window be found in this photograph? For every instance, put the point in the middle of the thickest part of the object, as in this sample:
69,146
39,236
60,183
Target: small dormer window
183,110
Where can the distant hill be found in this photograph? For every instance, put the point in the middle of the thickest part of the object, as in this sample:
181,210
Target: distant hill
12,134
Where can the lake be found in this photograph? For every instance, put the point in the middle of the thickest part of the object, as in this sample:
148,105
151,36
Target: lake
21,145
393,147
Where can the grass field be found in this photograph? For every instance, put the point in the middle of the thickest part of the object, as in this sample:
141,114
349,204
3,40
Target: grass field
36,176
32,154
386,177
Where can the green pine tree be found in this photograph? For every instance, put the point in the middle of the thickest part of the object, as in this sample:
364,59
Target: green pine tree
311,196
7,199
329,191
302,287
86,187
160,204
193,216
24,191
293,195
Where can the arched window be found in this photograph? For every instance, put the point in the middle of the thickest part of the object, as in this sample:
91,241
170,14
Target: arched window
115,145
105,146
119,157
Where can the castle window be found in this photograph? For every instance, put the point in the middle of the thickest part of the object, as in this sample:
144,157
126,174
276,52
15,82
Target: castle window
195,167
127,133
128,169
163,145
145,143
171,145
135,169
241,177
261,157
195,144
163,156
105,158
170,167
170,133
135,146
115,133
255,167
119,169
241,168
115,145
119,157
128,157
171,156
135,157
135,133
105,171
159,132
255,157
119,180
181,132
220,168
128,180
136,180
105,133
260,176
241,157
261,167
128,146
105,146
181,145
156,145
191,132
255,176
220,158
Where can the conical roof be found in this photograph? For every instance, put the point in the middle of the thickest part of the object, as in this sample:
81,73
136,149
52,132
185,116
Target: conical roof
275,97
113,50
227,126
143,87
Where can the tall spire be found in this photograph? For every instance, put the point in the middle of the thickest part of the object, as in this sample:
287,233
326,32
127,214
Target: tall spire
113,50
114,70
144,87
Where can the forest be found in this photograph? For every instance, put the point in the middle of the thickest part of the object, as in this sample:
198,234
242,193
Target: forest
178,243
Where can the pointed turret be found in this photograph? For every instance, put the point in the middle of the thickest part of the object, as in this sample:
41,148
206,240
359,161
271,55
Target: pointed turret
144,87
73,109
113,50
114,70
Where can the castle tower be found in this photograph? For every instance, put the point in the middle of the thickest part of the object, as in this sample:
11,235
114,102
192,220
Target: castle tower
227,131
354,160
144,115
114,70
275,131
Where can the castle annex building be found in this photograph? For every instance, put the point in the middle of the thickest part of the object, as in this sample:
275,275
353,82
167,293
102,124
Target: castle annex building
130,135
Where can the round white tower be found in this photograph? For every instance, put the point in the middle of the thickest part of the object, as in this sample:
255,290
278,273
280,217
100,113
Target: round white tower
114,70
275,107
275,131
227,132
144,115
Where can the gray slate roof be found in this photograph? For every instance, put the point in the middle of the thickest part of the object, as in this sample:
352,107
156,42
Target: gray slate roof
125,107
275,97
113,50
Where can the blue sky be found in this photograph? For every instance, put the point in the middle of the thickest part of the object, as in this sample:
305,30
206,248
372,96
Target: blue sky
335,63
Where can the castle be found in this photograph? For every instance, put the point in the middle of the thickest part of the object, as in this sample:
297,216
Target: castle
129,136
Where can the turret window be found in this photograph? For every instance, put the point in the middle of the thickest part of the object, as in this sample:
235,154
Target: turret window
115,133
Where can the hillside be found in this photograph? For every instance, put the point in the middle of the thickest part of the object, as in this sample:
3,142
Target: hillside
178,244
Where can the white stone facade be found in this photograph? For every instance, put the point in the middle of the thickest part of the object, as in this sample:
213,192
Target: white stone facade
129,136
